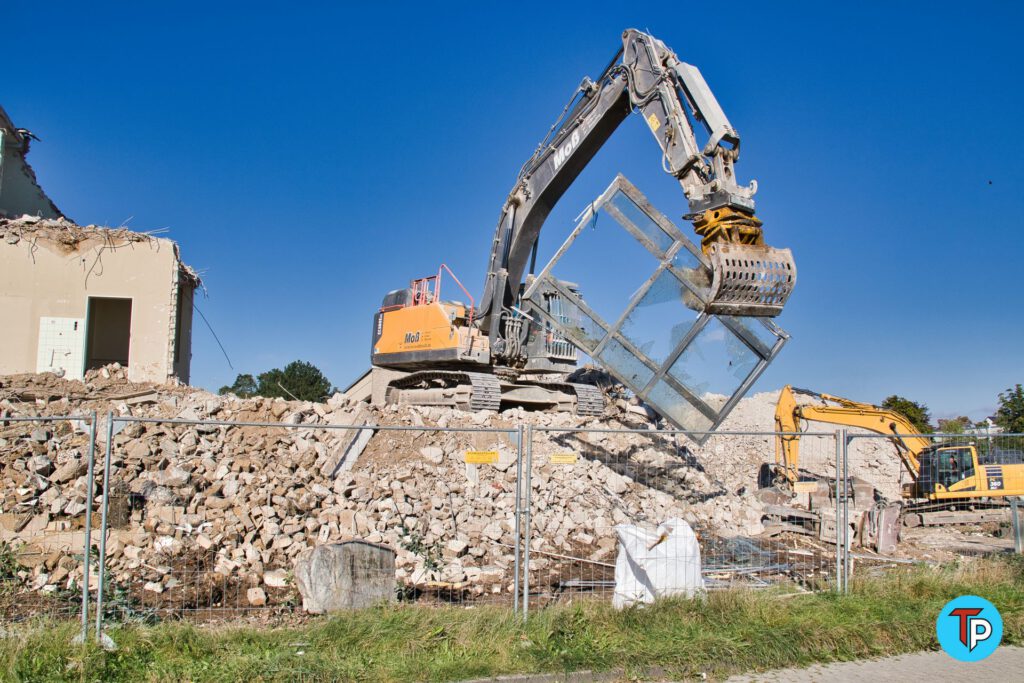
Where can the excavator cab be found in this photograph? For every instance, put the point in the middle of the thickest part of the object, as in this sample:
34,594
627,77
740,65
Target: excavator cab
944,467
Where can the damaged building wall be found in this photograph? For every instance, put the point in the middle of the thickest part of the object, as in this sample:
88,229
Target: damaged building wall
19,192
73,298
180,330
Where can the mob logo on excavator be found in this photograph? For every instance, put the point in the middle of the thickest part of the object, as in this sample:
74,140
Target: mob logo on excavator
563,152
412,337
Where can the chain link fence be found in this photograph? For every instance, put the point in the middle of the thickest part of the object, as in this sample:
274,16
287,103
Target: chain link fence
46,520
129,518
206,520
625,486
942,497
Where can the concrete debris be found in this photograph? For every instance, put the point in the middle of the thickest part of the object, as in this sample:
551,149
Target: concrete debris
346,575
260,505
256,597
276,578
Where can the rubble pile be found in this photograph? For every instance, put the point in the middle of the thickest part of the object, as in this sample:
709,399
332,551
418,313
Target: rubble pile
250,499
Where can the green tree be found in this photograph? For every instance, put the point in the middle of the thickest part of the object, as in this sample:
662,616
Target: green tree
1010,415
916,413
244,387
299,380
956,425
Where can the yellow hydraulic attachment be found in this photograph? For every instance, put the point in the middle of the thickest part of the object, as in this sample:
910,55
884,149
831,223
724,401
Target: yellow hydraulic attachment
939,471
748,277
726,224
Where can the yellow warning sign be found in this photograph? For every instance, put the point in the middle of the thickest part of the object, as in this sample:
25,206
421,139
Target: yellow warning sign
653,122
563,458
481,457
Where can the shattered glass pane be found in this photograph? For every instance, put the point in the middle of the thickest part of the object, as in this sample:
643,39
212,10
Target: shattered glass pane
625,365
714,364
608,259
641,221
689,268
759,329
652,326
581,327
670,403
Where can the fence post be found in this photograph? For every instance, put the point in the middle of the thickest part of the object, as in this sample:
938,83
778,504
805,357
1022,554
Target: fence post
526,532
839,514
87,543
101,572
846,509
1018,542
518,532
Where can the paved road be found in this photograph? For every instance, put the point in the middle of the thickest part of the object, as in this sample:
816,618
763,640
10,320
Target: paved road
1003,665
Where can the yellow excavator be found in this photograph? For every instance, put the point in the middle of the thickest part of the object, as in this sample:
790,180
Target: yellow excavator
945,477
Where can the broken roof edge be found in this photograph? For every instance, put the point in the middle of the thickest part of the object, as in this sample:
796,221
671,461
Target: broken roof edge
70,235
18,140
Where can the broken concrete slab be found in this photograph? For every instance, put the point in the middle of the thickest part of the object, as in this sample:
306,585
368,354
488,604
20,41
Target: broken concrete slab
342,576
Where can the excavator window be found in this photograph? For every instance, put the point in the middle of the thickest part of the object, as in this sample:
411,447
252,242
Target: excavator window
954,464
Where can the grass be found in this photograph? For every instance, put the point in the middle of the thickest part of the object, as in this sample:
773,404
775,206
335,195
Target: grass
725,633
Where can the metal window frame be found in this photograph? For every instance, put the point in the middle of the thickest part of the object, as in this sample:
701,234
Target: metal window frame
738,326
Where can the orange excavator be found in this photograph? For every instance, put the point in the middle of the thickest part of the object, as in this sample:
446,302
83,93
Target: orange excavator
506,347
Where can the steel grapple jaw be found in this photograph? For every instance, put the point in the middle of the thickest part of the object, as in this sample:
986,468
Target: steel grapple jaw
749,279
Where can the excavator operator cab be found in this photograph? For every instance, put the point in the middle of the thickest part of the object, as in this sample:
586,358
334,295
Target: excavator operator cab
945,467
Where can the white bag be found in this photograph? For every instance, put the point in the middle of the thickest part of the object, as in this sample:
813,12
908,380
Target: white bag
654,564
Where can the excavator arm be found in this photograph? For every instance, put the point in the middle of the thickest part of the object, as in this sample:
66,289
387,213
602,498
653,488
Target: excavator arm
788,417
645,76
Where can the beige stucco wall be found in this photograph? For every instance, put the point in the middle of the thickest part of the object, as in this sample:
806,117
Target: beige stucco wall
40,277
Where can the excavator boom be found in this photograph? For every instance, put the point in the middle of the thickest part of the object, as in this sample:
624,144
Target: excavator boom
789,414
749,278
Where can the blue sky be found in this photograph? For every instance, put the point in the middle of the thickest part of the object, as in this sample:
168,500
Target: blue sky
310,158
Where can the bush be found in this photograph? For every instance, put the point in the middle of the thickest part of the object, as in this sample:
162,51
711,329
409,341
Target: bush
299,380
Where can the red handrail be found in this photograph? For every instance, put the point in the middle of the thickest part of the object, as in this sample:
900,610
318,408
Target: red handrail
421,294
437,290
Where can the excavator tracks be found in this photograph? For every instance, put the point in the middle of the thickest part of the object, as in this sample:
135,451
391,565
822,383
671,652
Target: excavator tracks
486,391
466,390
483,391
949,512
589,399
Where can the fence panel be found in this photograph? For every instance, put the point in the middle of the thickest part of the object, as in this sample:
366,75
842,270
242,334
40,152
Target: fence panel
46,516
933,497
584,484
206,520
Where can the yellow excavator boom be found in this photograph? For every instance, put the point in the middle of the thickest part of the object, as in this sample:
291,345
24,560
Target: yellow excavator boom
788,416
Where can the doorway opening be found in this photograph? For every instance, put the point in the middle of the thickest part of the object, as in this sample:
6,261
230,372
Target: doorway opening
109,335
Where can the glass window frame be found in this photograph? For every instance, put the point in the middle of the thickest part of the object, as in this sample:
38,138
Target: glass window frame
755,333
